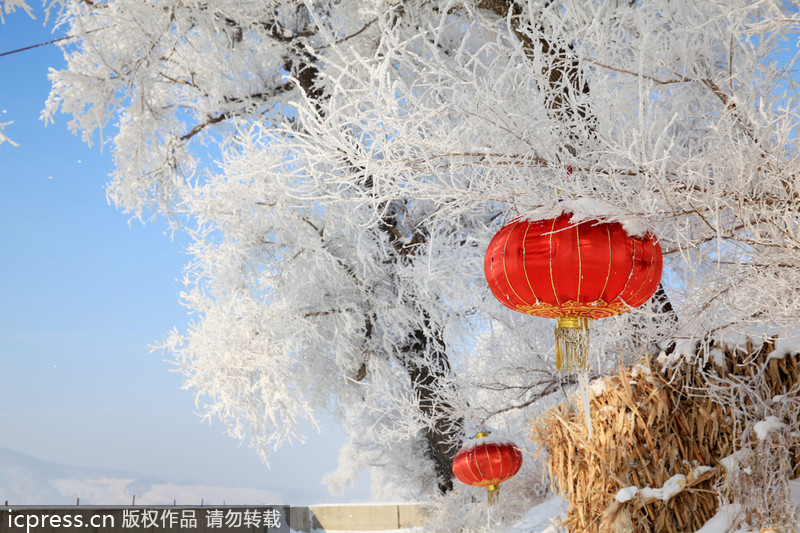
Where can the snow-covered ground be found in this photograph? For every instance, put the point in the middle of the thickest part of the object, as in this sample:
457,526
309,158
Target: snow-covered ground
120,491
25,480
542,518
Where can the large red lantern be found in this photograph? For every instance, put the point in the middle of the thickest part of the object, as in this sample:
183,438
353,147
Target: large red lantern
487,463
575,272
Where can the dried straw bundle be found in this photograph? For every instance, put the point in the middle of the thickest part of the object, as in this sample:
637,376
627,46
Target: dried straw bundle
656,429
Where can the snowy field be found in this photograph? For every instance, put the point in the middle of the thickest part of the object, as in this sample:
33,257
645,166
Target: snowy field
25,480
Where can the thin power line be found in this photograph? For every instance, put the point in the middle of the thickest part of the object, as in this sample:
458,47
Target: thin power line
38,45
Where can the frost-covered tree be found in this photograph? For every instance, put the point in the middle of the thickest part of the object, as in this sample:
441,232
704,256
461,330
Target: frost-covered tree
342,164
10,6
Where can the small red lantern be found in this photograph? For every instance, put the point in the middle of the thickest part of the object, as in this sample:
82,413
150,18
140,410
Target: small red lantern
573,272
487,463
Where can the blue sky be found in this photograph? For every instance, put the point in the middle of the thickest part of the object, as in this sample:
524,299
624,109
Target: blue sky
83,293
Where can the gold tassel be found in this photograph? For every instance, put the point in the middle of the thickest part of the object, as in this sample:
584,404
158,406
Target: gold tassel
494,494
572,344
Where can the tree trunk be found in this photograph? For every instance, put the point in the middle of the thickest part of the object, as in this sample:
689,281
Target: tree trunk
424,356
428,366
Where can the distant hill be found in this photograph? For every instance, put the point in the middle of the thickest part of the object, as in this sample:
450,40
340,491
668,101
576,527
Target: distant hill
26,480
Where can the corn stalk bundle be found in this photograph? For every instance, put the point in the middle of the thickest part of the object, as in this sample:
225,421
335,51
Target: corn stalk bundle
660,435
